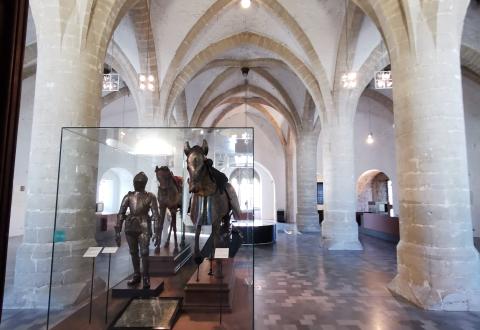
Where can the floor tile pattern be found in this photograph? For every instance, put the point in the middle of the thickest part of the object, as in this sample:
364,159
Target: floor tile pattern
301,286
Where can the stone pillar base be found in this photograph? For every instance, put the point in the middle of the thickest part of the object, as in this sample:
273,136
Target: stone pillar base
339,244
426,297
308,223
445,279
340,232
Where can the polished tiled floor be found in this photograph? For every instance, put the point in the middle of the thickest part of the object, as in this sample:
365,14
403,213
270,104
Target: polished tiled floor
301,286
298,285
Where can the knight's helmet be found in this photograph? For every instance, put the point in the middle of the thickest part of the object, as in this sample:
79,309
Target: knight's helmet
140,181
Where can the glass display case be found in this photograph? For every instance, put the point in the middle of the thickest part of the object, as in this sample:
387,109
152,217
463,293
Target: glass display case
200,267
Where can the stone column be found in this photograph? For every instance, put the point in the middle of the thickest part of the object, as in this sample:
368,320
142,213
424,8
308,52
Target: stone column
290,173
438,265
306,154
68,93
339,228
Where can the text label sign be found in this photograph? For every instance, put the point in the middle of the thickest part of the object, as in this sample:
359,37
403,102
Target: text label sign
222,253
92,252
110,250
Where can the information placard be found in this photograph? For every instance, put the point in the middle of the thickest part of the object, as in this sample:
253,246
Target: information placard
110,250
222,253
92,252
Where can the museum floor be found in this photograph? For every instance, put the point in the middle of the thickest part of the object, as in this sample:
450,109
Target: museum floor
298,285
301,286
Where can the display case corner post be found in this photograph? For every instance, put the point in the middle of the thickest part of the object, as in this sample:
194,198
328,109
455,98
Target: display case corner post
13,26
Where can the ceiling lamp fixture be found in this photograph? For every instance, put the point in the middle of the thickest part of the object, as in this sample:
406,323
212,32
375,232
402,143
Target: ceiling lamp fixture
245,135
383,80
245,4
369,139
349,79
111,80
146,81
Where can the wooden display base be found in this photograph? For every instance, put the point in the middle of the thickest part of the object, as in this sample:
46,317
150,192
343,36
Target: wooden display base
169,261
122,290
210,294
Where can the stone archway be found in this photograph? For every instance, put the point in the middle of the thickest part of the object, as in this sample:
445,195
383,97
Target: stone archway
373,192
112,186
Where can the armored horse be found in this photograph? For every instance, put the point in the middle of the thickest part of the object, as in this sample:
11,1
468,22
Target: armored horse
213,199
169,196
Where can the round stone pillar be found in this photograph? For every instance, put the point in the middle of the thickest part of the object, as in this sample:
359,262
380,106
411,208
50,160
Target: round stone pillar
67,93
339,227
307,214
438,265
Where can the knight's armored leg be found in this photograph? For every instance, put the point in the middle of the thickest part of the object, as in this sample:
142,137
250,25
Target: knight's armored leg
132,240
144,247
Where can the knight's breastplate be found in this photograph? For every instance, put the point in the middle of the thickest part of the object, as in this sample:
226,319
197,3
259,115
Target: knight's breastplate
138,221
202,210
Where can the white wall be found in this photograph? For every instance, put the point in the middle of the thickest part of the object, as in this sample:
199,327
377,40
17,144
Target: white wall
471,99
19,198
268,152
267,184
118,114
379,155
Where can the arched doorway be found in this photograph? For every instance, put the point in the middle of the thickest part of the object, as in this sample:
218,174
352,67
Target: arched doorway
374,192
112,186
248,189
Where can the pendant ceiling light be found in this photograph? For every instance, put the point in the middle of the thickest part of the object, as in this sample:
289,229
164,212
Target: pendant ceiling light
111,80
245,4
349,79
245,135
146,81
122,131
369,139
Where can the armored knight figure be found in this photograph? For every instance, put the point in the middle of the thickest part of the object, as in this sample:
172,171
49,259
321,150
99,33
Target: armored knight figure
138,228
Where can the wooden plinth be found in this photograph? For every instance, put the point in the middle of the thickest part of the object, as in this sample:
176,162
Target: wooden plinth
168,261
210,294
123,290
